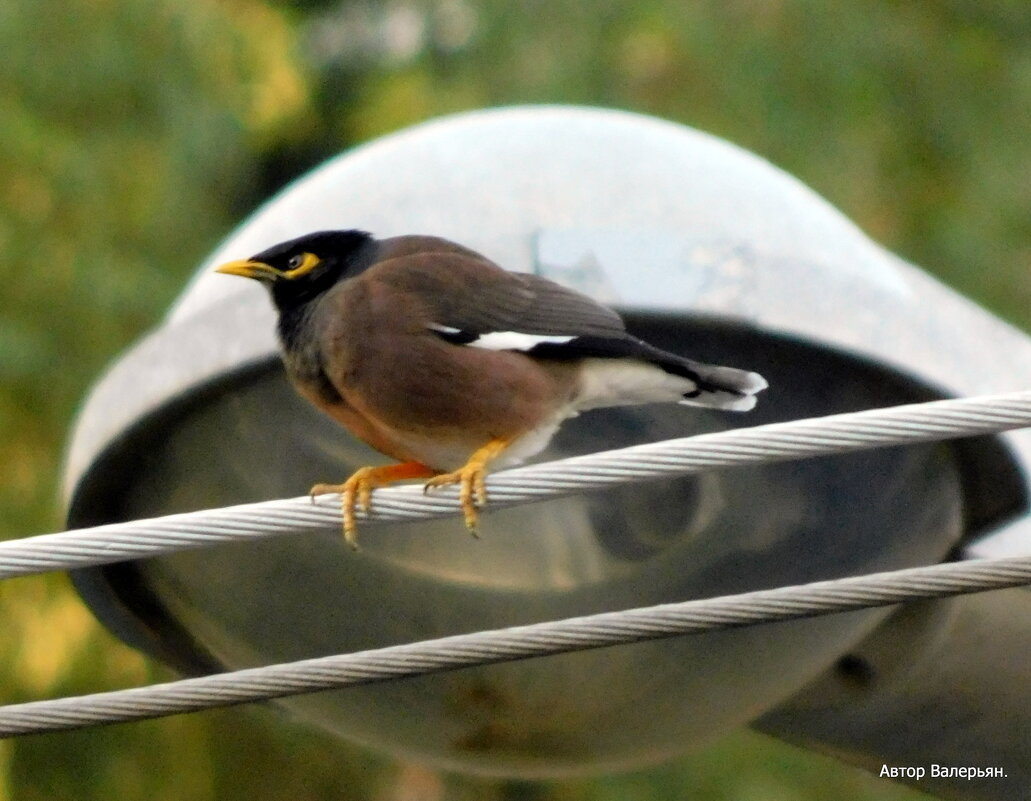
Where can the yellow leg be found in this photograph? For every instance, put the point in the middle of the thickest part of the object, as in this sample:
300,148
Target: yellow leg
356,492
471,479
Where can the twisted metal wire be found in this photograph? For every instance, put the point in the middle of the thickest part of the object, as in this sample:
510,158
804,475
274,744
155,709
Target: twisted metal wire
839,433
504,645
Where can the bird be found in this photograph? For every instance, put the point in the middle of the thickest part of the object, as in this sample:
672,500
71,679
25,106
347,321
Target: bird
450,364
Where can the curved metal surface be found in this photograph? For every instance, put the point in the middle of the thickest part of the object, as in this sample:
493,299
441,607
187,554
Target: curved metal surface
711,251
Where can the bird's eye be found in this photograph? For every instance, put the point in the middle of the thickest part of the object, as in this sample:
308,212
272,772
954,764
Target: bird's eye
300,264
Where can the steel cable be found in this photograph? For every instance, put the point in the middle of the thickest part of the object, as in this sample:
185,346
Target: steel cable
504,645
776,442
842,433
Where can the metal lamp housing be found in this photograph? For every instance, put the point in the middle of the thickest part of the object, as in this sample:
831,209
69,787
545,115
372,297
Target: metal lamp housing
706,250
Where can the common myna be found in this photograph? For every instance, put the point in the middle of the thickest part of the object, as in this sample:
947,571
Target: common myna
439,358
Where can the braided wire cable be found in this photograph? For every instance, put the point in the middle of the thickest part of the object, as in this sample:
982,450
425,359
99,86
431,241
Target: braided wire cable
504,645
841,433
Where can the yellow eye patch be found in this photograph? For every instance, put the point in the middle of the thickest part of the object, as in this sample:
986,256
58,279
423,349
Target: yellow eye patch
301,264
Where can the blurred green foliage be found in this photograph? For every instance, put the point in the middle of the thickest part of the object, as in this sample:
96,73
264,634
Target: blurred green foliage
135,133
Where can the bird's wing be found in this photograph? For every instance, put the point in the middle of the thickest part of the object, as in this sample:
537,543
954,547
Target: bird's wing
472,301
538,317
514,311
469,301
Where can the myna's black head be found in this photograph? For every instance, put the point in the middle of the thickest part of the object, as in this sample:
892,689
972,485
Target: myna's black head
300,269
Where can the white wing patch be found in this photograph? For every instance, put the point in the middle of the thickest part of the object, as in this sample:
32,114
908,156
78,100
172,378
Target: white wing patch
515,340
444,329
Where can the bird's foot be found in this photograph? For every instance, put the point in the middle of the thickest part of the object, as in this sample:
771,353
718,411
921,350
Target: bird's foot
472,482
472,492
356,492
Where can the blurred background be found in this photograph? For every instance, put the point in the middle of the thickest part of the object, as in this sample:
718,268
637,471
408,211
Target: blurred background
135,134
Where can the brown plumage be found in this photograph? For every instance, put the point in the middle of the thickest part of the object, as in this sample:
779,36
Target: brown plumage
437,357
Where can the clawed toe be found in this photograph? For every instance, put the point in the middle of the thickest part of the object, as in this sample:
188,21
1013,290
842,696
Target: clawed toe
355,495
472,482
472,492
356,492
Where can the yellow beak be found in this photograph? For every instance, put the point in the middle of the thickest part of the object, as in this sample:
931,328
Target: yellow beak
249,269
